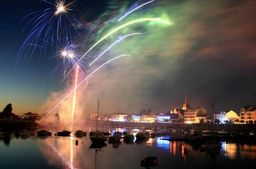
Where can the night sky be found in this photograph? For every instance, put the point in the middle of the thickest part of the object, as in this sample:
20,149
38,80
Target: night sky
208,55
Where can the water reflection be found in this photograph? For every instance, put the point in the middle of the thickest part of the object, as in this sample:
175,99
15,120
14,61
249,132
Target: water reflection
76,153
150,142
6,137
163,144
59,152
236,151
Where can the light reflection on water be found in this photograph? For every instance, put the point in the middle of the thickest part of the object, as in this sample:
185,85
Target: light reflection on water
60,152
234,150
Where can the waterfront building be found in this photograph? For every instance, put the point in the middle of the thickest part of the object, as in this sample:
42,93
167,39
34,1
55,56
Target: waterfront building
248,115
163,118
148,118
176,115
232,116
220,118
195,116
119,117
226,117
135,118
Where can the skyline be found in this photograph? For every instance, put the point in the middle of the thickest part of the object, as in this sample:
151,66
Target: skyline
208,55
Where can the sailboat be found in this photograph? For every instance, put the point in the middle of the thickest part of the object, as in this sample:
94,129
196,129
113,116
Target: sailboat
97,137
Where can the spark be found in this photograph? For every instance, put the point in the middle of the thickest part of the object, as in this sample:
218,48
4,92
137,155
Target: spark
135,9
69,57
67,54
60,8
85,79
136,21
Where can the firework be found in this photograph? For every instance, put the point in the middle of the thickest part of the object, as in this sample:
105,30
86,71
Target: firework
115,30
134,9
60,8
158,20
51,26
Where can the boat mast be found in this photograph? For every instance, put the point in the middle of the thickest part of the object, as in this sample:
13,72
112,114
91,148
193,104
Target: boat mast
98,115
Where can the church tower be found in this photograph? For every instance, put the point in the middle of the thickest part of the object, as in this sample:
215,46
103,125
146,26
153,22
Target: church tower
185,106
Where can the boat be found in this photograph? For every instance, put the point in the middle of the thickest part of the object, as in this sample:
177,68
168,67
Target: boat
128,138
80,134
193,132
63,133
251,133
206,133
43,133
135,131
151,133
98,137
142,137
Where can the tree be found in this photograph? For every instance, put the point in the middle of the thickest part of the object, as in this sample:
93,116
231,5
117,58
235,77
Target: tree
8,109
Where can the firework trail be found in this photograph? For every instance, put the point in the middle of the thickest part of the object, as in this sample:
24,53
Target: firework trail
74,98
103,52
134,9
112,45
85,79
115,30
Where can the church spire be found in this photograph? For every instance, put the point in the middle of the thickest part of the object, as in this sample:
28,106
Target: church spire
185,105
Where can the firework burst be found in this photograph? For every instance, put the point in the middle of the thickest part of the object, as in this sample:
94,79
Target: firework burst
48,28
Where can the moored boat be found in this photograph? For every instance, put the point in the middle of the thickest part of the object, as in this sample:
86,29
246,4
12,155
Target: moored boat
63,133
98,137
80,134
43,133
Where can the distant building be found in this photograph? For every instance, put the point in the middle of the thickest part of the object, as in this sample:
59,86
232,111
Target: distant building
248,115
195,116
176,115
226,117
220,118
148,118
232,116
135,118
119,117
163,118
